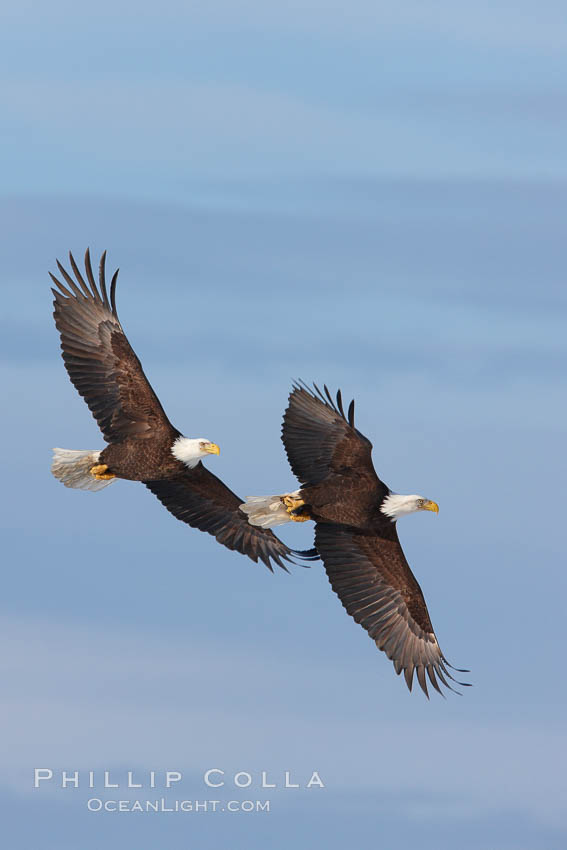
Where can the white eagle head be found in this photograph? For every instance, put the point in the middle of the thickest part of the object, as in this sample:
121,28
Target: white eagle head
190,450
395,506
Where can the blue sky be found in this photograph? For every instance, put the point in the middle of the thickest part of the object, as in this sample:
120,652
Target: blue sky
128,100
373,200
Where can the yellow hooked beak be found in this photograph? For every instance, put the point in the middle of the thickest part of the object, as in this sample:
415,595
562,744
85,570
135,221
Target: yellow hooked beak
431,506
212,449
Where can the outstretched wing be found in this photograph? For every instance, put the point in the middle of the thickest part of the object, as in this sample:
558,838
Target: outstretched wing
372,578
319,438
99,359
199,498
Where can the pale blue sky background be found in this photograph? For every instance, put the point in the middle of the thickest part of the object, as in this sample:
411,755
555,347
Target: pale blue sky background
366,195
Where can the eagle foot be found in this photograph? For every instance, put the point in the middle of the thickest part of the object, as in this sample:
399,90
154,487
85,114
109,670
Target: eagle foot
99,472
298,517
293,504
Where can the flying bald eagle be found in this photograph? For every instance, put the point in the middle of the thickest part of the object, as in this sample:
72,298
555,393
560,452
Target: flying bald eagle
355,516
143,445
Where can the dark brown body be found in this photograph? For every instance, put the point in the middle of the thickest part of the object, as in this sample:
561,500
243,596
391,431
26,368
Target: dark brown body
143,460
350,500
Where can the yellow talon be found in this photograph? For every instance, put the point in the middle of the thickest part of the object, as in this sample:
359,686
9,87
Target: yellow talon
99,470
292,502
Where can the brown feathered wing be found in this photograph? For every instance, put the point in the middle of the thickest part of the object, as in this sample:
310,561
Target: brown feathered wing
320,439
100,361
200,499
372,578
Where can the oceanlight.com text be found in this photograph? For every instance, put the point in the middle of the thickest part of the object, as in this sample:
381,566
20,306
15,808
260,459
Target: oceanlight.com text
96,804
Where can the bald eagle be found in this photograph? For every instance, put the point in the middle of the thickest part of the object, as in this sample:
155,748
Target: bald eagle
355,517
143,445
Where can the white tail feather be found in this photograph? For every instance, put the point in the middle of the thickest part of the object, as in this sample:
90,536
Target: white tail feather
73,467
267,511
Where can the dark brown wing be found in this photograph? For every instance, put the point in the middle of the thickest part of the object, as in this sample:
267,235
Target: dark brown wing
99,359
319,438
372,578
199,498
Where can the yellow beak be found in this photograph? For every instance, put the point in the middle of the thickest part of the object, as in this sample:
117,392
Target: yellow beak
212,449
431,506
